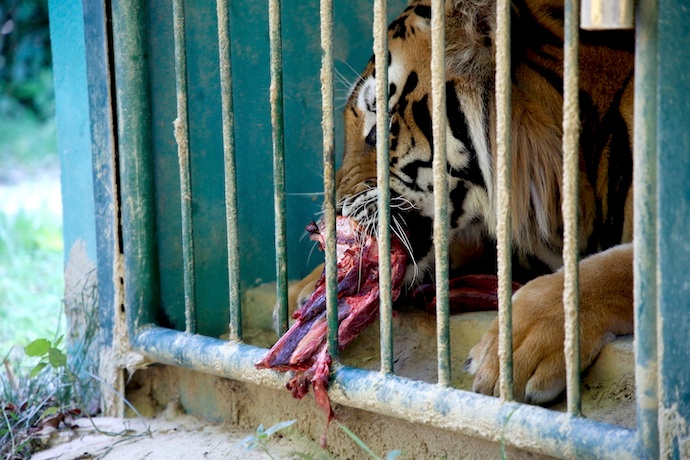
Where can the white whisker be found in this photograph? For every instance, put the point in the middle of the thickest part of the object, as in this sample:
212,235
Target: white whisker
304,193
311,251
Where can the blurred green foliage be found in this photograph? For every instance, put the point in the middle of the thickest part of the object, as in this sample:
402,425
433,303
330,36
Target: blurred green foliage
26,78
31,277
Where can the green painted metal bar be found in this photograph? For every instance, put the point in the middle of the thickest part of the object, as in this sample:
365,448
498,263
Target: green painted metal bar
673,222
103,157
181,125
136,164
644,183
228,116
326,7
571,136
438,93
503,226
383,184
532,428
276,90
137,202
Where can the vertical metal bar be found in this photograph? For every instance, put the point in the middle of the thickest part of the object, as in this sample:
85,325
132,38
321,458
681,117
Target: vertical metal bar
438,98
136,163
644,184
326,7
228,117
503,225
673,222
276,90
182,138
571,134
383,184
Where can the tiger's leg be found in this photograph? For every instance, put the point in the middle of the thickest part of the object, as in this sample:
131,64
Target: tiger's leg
606,310
299,292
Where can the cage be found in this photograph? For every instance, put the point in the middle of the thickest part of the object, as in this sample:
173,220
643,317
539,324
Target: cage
209,154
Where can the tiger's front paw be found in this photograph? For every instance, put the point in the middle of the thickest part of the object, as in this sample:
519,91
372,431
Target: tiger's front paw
538,360
606,310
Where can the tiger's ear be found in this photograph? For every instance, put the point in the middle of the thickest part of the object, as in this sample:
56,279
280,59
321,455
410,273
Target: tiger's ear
470,27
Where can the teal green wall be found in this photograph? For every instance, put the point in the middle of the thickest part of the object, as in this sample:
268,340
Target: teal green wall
88,149
303,141
73,124
673,221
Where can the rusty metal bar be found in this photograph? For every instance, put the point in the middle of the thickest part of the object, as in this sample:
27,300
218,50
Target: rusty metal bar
571,151
276,90
329,174
181,125
383,184
438,97
503,225
228,118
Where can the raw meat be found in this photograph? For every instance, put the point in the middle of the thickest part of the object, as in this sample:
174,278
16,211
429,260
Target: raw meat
304,347
466,293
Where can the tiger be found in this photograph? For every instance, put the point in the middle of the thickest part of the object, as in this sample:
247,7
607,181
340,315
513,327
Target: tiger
605,175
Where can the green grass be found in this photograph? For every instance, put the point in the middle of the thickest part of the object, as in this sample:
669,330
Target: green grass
31,278
27,146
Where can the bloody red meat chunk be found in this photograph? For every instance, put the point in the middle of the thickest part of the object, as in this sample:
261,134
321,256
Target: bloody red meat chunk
304,347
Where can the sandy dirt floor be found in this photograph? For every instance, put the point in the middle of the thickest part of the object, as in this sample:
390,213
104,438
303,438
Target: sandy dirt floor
167,437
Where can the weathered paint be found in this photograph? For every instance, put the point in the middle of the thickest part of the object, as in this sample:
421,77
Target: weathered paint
528,427
103,153
81,313
181,130
673,222
278,137
644,177
230,173
136,169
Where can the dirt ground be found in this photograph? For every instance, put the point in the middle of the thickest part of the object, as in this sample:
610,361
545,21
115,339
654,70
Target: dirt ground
172,435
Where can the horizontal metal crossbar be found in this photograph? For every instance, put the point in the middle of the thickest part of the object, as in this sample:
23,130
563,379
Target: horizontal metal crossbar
532,428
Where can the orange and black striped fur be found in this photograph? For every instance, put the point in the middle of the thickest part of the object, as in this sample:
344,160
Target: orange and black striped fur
605,193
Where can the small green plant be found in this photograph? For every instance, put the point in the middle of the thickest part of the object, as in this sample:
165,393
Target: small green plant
392,455
48,352
33,399
260,439
43,387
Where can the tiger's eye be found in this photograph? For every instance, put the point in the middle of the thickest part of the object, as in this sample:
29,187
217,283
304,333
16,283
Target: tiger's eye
371,137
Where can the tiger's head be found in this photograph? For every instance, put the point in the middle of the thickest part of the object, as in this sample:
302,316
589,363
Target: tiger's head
410,141
470,132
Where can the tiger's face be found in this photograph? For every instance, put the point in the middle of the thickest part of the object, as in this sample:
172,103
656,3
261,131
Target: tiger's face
411,146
